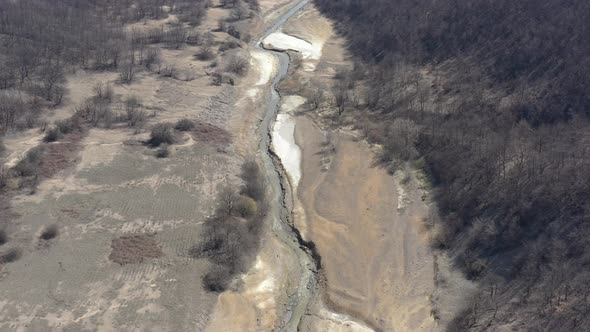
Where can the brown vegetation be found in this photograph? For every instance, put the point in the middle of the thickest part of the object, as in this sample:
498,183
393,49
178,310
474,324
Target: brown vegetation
232,236
487,98
162,133
10,255
211,134
49,232
134,248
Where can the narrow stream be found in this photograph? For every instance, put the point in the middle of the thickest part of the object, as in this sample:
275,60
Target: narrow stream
280,212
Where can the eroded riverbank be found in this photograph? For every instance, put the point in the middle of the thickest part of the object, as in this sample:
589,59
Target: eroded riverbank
378,269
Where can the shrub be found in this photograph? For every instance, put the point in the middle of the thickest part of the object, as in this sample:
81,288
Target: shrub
217,279
52,135
205,54
135,116
29,165
3,237
65,126
104,92
169,71
254,186
184,125
194,39
162,133
163,151
238,64
247,207
228,45
11,255
49,232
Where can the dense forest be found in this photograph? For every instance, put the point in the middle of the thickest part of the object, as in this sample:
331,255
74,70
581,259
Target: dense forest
491,99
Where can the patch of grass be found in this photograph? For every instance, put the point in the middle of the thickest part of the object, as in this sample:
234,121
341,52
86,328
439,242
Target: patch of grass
134,248
208,133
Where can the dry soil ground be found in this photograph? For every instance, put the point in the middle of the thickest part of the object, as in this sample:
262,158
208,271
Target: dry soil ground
116,189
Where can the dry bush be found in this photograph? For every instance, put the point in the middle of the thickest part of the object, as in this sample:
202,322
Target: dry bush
3,237
162,133
217,279
184,125
163,151
254,181
246,207
169,71
229,45
96,111
238,64
103,92
67,126
127,72
29,165
135,248
49,232
10,255
218,78
53,134
208,133
205,54
231,237
135,116
152,57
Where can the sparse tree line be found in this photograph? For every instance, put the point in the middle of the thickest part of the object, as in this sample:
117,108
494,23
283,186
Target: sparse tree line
231,237
490,100
44,40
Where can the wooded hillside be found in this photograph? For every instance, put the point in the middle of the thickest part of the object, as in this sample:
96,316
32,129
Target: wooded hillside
492,100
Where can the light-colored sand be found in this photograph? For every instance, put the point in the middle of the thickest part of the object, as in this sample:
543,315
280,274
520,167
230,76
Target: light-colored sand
310,51
265,65
258,307
283,42
283,139
378,265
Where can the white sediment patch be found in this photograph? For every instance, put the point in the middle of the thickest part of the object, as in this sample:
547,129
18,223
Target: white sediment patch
279,41
266,64
283,139
340,322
